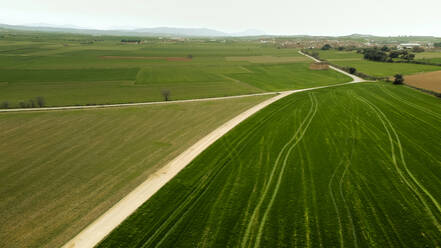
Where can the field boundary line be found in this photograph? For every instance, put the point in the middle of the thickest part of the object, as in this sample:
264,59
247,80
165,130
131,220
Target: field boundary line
113,217
354,78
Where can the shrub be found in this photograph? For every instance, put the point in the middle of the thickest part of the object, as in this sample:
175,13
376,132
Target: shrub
352,70
417,49
166,95
398,79
375,54
32,103
385,49
326,47
4,105
40,101
23,105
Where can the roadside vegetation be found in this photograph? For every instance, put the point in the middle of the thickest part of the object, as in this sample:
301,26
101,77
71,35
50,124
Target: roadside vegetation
341,166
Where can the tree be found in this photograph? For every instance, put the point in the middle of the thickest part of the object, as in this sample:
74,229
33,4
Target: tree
394,54
166,95
352,70
315,55
408,56
374,54
23,105
341,48
438,44
326,47
32,103
40,101
5,105
398,79
417,49
385,49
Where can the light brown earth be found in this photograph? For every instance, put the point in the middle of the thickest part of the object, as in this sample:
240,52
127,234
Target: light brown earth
318,66
429,81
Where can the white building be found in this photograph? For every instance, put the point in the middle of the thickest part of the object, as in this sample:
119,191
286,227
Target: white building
408,45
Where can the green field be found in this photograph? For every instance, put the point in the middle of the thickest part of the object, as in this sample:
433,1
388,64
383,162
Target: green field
86,70
354,166
60,170
376,69
429,56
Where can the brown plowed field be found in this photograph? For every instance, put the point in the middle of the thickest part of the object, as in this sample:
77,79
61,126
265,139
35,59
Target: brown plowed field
429,81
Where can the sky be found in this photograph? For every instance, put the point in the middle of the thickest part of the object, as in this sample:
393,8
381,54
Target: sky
278,17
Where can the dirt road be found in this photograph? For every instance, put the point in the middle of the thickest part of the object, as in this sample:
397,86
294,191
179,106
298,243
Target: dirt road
355,78
97,230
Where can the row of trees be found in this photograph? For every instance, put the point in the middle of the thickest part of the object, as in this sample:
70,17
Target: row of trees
386,55
438,44
37,102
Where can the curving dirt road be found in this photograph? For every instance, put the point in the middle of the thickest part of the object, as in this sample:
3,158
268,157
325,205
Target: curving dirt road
355,78
98,229
101,227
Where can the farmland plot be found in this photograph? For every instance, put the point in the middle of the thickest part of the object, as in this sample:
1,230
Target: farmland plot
355,166
60,170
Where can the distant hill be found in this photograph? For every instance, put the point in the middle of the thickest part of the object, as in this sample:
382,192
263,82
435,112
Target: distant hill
159,31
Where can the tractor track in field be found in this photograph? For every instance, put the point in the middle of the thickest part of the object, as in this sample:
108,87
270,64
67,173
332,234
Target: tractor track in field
414,184
101,227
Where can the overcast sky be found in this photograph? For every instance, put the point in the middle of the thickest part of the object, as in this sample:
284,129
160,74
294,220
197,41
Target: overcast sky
315,17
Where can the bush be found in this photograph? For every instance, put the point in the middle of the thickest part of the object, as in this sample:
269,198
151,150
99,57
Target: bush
166,94
374,54
40,101
417,49
398,79
352,70
438,44
385,49
4,105
23,104
326,47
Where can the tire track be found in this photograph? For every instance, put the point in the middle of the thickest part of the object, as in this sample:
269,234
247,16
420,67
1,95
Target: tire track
410,183
295,139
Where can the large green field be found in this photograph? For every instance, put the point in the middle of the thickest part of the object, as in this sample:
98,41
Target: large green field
86,70
352,166
376,69
60,170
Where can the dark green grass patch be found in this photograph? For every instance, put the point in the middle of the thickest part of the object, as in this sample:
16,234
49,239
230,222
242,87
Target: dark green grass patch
354,166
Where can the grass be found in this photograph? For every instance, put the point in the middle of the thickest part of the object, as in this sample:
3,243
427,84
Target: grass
77,70
352,166
376,69
60,170
288,76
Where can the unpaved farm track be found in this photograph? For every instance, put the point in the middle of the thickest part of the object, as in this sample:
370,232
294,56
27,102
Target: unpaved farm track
97,230
101,227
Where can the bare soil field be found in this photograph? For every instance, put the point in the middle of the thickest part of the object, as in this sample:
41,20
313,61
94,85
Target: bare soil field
267,59
429,81
318,66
